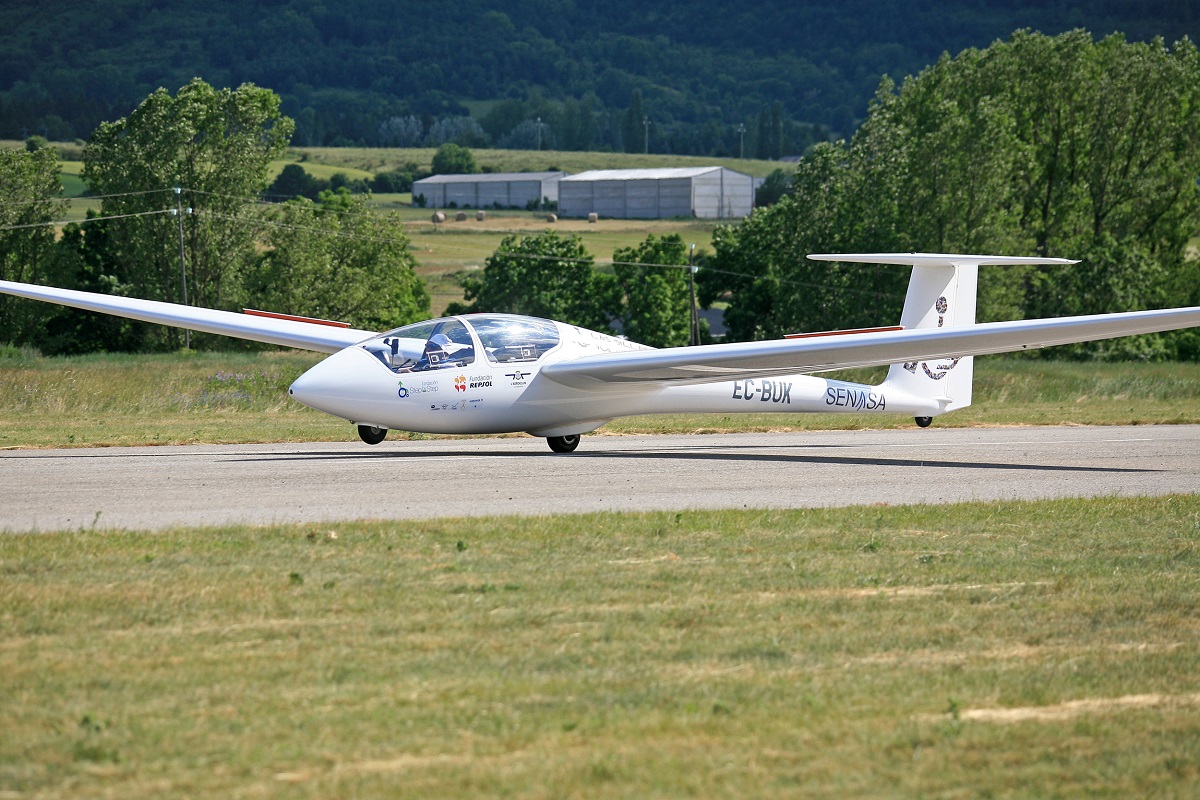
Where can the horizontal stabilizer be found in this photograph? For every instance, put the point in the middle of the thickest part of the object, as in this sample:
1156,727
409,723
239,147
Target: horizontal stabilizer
940,259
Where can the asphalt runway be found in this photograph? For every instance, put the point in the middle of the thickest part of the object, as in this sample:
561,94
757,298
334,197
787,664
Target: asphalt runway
157,487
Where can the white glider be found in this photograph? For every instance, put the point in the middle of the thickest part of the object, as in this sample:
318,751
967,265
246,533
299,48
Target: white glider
501,373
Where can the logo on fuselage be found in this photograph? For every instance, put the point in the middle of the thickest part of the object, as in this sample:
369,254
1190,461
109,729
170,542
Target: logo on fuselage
857,399
425,387
517,378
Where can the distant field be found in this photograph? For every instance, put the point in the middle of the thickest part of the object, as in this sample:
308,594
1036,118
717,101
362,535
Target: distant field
319,170
1012,649
443,251
379,159
100,400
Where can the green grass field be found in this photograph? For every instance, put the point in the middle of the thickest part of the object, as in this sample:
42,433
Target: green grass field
218,397
1043,649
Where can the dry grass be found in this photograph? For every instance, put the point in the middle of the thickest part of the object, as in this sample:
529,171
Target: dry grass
951,651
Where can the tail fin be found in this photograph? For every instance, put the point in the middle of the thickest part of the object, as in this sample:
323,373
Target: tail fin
941,294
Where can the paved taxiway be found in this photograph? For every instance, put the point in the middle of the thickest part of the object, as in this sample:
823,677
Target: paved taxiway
154,487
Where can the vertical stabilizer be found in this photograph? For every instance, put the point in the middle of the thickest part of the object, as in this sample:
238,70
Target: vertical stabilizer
941,294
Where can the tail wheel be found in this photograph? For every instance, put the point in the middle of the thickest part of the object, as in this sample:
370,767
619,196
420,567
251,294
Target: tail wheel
371,434
923,422
563,444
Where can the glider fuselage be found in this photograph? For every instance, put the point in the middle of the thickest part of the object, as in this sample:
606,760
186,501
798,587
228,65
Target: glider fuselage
482,374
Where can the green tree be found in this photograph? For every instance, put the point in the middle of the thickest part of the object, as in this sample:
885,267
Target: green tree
215,146
545,275
338,259
773,188
295,181
1048,145
633,130
652,280
453,159
32,192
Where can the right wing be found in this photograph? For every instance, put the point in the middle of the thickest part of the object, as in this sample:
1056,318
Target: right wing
744,360
272,330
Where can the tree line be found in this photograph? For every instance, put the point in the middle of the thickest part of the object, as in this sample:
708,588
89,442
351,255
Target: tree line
1054,146
1057,146
179,221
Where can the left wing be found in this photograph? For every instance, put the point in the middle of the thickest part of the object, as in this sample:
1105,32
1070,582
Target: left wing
269,329
740,361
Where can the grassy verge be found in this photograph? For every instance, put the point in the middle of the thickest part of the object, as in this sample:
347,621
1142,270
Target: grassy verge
242,397
972,650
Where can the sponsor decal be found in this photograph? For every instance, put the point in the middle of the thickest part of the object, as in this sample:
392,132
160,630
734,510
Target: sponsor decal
458,405
481,382
425,387
857,399
941,370
518,378
460,383
764,391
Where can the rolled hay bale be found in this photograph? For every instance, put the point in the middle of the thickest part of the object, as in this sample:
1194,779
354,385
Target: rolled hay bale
480,216
552,218
593,217
460,216
439,217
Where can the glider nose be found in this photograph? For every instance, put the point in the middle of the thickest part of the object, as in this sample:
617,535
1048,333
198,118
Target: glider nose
340,385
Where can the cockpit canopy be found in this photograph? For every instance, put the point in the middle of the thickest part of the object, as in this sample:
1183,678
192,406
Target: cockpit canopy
453,342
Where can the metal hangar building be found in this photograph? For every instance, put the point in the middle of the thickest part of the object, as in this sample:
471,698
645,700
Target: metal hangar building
494,190
698,192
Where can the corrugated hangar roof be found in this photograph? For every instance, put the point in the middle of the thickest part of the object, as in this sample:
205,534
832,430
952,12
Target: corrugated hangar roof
640,174
492,177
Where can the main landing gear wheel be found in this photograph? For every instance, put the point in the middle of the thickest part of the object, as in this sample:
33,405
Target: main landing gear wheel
371,435
563,444
923,422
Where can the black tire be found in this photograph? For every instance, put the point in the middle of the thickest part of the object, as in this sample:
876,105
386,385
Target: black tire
371,435
563,444
923,422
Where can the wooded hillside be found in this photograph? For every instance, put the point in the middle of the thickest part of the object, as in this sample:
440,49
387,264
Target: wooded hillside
540,73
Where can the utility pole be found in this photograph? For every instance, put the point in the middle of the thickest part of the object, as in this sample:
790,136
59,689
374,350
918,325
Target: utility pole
187,334
694,333
646,128
741,141
539,133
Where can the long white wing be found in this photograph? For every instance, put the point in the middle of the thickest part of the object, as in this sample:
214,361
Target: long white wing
289,333
726,362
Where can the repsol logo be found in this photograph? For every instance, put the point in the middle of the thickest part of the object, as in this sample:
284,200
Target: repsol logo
481,382
857,399
763,391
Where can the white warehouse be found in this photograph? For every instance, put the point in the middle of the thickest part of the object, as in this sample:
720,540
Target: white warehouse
495,190
700,192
